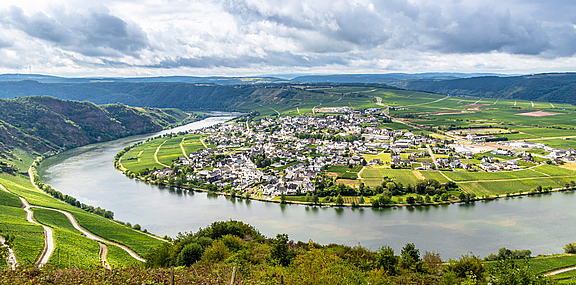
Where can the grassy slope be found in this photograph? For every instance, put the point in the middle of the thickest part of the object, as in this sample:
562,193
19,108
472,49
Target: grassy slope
29,240
102,227
83,252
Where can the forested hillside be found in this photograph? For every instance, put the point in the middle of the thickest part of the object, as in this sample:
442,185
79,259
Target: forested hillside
41,123
559,87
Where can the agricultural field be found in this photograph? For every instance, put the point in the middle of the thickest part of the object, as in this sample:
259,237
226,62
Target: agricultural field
373,176
460,176
69,242
547,264
29,240
558,143
165,150
135,240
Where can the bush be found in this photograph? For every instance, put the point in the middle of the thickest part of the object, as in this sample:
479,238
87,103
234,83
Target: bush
570,248
386,260
190,254
216,253
467,265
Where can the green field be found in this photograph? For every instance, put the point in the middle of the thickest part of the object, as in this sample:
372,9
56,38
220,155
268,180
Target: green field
558,143
547,264
501,187
135,240
142,156
373,176
459,176
29,240
436,175
68,241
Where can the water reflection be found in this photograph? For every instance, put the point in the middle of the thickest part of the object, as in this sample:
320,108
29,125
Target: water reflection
536,222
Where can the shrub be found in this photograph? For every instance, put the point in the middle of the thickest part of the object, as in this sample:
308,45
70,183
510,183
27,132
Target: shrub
189,254
570,248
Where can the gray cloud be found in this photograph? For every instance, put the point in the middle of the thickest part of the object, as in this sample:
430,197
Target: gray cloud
95,34
455,27
278,59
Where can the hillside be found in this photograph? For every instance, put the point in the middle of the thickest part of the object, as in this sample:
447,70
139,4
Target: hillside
41,123
560,88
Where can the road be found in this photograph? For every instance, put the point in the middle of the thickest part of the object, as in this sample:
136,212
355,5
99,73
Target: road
102,254
48,236
11,259
556,272
156,154
92,236
433,157
182,147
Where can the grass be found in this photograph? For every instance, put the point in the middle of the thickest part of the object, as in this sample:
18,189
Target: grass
434,175
344,169
384,157
558,143
118,257
83,252
501,187
547,264
29,240
373,176
135,240
480,176
9,199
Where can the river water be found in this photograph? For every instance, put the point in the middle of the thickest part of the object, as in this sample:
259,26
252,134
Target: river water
543,224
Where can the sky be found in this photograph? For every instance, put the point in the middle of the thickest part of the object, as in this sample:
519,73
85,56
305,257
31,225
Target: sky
256,37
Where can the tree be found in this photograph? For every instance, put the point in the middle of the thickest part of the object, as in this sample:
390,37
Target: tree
282,198
361,201
189,254
427,199
570,248
280,252
466,266
510,272
339,200
410,200
386,260
410,258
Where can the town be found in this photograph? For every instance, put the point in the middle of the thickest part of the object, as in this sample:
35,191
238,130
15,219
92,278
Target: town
271,156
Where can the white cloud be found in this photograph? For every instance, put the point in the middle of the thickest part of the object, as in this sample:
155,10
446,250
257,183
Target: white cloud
233,37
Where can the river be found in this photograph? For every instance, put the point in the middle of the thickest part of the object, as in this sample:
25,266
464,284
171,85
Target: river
543,224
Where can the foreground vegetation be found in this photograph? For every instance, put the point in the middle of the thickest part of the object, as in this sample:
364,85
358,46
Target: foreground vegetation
236,253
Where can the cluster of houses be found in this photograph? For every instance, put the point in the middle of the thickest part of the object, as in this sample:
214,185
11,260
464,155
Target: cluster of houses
298,148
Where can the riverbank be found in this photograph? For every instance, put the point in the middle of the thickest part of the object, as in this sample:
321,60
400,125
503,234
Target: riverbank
277,199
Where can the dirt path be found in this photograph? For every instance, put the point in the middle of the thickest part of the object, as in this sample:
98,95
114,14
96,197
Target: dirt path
11,258
92,236
203,143
532,104
556,272
552,105
426,103
102,254
48,236
360,172
496,101
156,154
182,148
418,175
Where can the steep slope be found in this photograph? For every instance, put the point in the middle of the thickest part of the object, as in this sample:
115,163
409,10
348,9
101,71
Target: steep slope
41,123
556,87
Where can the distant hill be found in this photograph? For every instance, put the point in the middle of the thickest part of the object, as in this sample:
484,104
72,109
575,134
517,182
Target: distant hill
221,80
383,78
549,87
45,123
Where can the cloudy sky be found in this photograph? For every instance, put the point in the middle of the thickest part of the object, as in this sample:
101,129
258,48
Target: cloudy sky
250,37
